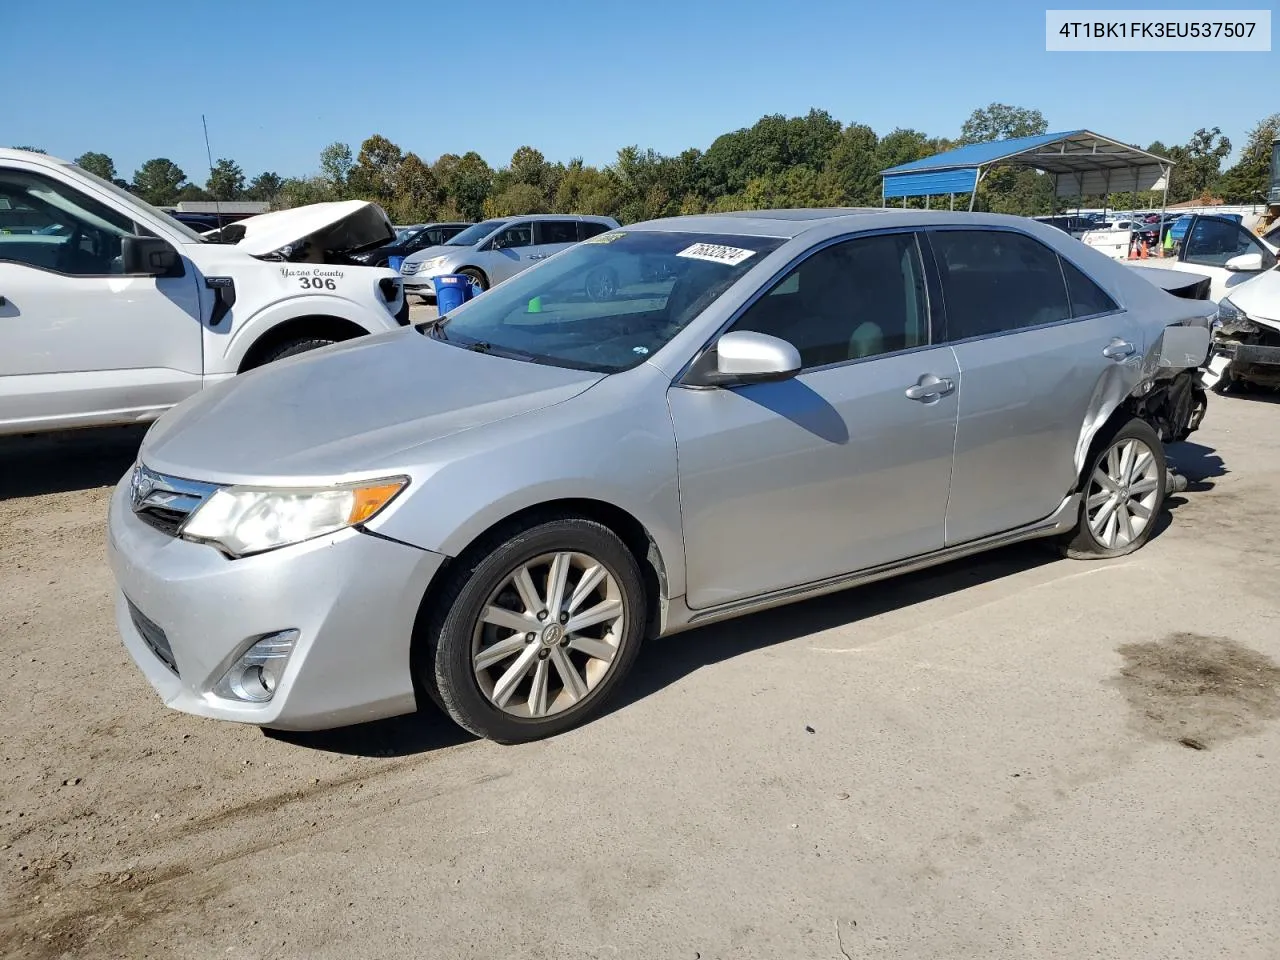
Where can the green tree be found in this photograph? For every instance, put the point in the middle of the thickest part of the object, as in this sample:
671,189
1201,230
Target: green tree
190,192
374,175
30,149
1000,121
226,180
516,199
1247,181
467,182
1198,165
335,167
851,174
265,187
300,191
417,194
158,181
97,163
529,166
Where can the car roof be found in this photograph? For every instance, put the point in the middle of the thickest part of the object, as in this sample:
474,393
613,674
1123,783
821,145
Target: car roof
788,224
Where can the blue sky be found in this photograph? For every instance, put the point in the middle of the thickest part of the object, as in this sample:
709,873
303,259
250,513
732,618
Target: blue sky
280,79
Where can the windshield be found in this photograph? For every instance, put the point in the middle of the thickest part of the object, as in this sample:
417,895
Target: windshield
175,225
607,303
475,233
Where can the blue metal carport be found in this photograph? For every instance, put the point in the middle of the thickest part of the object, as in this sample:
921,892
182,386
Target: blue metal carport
1080,162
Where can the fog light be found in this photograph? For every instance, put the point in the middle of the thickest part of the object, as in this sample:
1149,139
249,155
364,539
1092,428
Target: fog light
255,676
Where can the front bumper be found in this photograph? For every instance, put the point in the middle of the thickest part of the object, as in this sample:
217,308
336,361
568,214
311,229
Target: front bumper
352,597
1250,353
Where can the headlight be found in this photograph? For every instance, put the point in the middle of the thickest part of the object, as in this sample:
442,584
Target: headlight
1231,319
246,520
433,264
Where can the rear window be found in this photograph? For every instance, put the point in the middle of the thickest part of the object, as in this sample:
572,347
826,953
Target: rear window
557,231
994,281
590,228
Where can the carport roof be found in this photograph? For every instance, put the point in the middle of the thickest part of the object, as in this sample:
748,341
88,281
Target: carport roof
1081,162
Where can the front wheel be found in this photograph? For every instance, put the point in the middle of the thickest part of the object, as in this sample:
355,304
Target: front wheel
530,638
1124,489
477,280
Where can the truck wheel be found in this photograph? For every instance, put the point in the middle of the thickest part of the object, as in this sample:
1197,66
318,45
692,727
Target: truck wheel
291,348
1122,495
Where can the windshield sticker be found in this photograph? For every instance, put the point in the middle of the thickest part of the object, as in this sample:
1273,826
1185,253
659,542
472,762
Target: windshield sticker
605,237
716,253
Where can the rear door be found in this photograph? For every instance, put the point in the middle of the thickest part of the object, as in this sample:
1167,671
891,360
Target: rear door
552,236
1035,340
80,342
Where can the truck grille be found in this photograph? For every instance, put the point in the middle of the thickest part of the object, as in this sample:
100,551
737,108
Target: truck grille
153,637
165,502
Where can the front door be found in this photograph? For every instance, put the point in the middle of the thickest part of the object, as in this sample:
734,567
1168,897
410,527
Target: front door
1036,341
80,343
1210,243
512,252
842,468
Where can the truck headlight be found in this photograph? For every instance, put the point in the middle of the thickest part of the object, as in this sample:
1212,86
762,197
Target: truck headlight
247,520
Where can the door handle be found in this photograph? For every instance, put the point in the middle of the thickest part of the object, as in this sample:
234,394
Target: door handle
1118,349
930,387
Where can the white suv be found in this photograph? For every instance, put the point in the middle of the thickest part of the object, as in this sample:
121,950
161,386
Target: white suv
111,311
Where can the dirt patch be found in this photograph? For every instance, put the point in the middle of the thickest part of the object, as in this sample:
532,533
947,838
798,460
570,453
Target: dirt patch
1197,690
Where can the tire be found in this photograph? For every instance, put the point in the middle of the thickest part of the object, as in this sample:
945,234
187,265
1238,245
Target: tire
291,348
602,285
478,279
494,697
1106,510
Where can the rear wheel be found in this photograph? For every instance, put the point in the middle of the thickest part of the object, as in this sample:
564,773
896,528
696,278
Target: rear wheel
530,637
1124,489
291,348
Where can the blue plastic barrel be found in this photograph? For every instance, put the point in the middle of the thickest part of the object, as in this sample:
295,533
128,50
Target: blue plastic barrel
452,291
394,263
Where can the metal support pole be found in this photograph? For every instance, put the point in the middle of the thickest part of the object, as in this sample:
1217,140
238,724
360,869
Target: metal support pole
904,201
952,196
974,194
1164,205
926,201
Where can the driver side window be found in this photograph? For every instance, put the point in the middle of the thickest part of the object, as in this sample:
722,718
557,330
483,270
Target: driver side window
49,225
1213,242
855,299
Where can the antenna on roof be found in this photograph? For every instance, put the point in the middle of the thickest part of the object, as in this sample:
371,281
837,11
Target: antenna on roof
208,152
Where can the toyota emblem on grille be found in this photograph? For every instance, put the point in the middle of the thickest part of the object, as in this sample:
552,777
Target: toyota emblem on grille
141,485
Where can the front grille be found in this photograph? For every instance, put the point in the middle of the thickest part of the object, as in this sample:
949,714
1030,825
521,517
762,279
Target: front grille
152,636
166,521
165,502
409,268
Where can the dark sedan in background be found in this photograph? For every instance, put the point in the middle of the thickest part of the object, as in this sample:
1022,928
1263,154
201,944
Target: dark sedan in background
416,238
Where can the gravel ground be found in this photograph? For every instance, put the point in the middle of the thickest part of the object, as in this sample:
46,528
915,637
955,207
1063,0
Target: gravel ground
1011,756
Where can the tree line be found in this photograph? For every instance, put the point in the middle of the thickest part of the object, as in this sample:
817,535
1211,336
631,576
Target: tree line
809,161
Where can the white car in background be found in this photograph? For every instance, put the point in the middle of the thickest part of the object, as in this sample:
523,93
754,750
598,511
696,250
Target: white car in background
1219,248
1246,336
112,311
495,250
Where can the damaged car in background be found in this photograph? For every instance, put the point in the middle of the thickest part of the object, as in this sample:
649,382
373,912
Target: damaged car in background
1246,337
493,510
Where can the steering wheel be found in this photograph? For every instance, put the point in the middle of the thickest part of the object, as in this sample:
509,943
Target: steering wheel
69,252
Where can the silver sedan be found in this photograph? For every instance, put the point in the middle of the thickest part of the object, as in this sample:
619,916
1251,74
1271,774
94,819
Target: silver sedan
493,510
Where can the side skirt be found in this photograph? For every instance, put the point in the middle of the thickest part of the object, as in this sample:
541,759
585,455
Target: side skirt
679,616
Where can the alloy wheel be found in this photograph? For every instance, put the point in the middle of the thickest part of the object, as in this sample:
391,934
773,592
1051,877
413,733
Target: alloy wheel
1123,492
548,635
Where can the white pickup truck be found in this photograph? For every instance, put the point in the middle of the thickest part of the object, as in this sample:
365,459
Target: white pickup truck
111,311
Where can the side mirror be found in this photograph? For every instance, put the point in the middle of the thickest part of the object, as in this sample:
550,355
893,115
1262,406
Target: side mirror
1245,263
743,356
149,257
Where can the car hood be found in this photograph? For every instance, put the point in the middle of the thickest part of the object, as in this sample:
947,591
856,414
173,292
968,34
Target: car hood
336,228
348,411
1260,298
